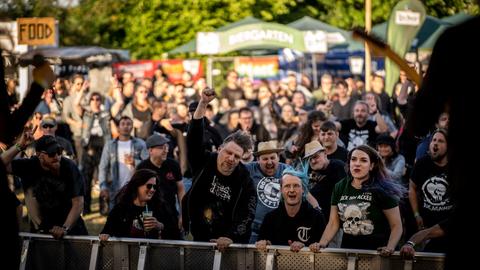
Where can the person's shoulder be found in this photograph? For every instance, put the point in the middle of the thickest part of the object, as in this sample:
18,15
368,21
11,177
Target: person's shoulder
337,164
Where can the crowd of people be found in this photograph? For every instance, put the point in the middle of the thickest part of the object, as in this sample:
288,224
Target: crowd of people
267,162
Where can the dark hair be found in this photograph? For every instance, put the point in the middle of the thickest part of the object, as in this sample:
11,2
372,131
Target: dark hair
245,109
128,193
242,138
97,94
386,139
328,125
123,118
441,130
306,131
379,180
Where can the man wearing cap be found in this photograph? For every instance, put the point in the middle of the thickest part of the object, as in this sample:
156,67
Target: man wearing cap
220,206
266,173
119,157
323,174
53,184
48,126
168,170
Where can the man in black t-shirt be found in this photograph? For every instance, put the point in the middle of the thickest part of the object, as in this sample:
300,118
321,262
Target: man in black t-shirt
323,174
360,130
295,222
54,186
429,191
168,170
221,203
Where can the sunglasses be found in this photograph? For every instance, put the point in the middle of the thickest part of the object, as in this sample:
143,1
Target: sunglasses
53,154
48,126
150,186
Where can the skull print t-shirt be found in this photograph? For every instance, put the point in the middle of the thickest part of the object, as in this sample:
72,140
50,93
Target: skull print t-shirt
361,218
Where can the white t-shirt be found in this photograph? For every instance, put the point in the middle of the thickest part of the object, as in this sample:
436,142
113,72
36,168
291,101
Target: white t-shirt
125,171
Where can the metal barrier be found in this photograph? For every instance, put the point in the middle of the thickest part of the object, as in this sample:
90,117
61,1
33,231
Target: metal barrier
86,252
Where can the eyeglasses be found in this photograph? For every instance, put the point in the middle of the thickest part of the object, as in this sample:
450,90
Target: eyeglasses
53,154
48,126
150,186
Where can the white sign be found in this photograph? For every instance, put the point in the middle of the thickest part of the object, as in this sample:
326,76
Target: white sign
208,43
407,17
315,41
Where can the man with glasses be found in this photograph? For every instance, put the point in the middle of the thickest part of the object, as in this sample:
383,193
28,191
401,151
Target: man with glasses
53,187
168,170
48,126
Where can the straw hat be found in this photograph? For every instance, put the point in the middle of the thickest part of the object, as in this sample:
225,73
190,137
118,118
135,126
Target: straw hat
312,148
268,147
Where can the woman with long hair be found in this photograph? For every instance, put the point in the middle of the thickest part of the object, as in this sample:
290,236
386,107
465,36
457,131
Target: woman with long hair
365,206
140,211
308,132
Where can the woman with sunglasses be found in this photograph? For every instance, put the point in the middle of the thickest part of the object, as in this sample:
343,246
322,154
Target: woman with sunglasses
134,201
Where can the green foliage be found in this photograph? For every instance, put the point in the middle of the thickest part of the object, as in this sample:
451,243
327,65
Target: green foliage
149,28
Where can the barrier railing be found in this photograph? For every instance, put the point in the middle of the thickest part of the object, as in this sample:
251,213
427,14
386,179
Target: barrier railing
86,252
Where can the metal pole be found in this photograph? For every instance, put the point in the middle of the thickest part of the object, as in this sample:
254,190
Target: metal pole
314,71
209,72
368,58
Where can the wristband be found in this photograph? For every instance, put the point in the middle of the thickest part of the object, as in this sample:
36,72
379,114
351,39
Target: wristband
18,147
410,243
65,229
416,214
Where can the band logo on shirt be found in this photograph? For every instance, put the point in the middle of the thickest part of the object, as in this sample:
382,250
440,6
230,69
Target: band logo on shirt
303,233
268,192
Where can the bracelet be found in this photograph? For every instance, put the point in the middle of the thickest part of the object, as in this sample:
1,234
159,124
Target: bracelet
318,208
65,229
410,243
18,147
416,214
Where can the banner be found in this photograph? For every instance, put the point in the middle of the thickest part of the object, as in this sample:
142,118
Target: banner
174,68
405,20
257,67
261,36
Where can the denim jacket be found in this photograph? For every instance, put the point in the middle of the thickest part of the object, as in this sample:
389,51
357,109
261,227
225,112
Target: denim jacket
108,168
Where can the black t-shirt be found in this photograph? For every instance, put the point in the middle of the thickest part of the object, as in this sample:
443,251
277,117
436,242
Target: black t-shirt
169,174
232,94
353,136
53,193
322,182
340,154
306,226
144,116
433,191
127,221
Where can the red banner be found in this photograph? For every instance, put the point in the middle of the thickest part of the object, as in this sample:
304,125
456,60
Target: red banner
174,68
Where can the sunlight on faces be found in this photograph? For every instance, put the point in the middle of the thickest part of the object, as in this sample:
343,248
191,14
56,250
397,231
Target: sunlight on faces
328,138
292,190
268,163
229,155
144,193
318,161
159,153
125,127
360,113
360,165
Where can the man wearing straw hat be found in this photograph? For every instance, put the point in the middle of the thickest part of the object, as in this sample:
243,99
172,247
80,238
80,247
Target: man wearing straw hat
266,173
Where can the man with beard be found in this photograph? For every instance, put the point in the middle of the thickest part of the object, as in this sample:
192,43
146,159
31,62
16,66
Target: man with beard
429,191
295,222
266,173
360,130
55,184
220,205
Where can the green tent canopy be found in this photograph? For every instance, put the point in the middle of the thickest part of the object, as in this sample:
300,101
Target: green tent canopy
191,46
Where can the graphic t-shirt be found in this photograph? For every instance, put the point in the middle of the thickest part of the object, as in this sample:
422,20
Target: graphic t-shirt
125,171
353,136
433,190
268,192
363,223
